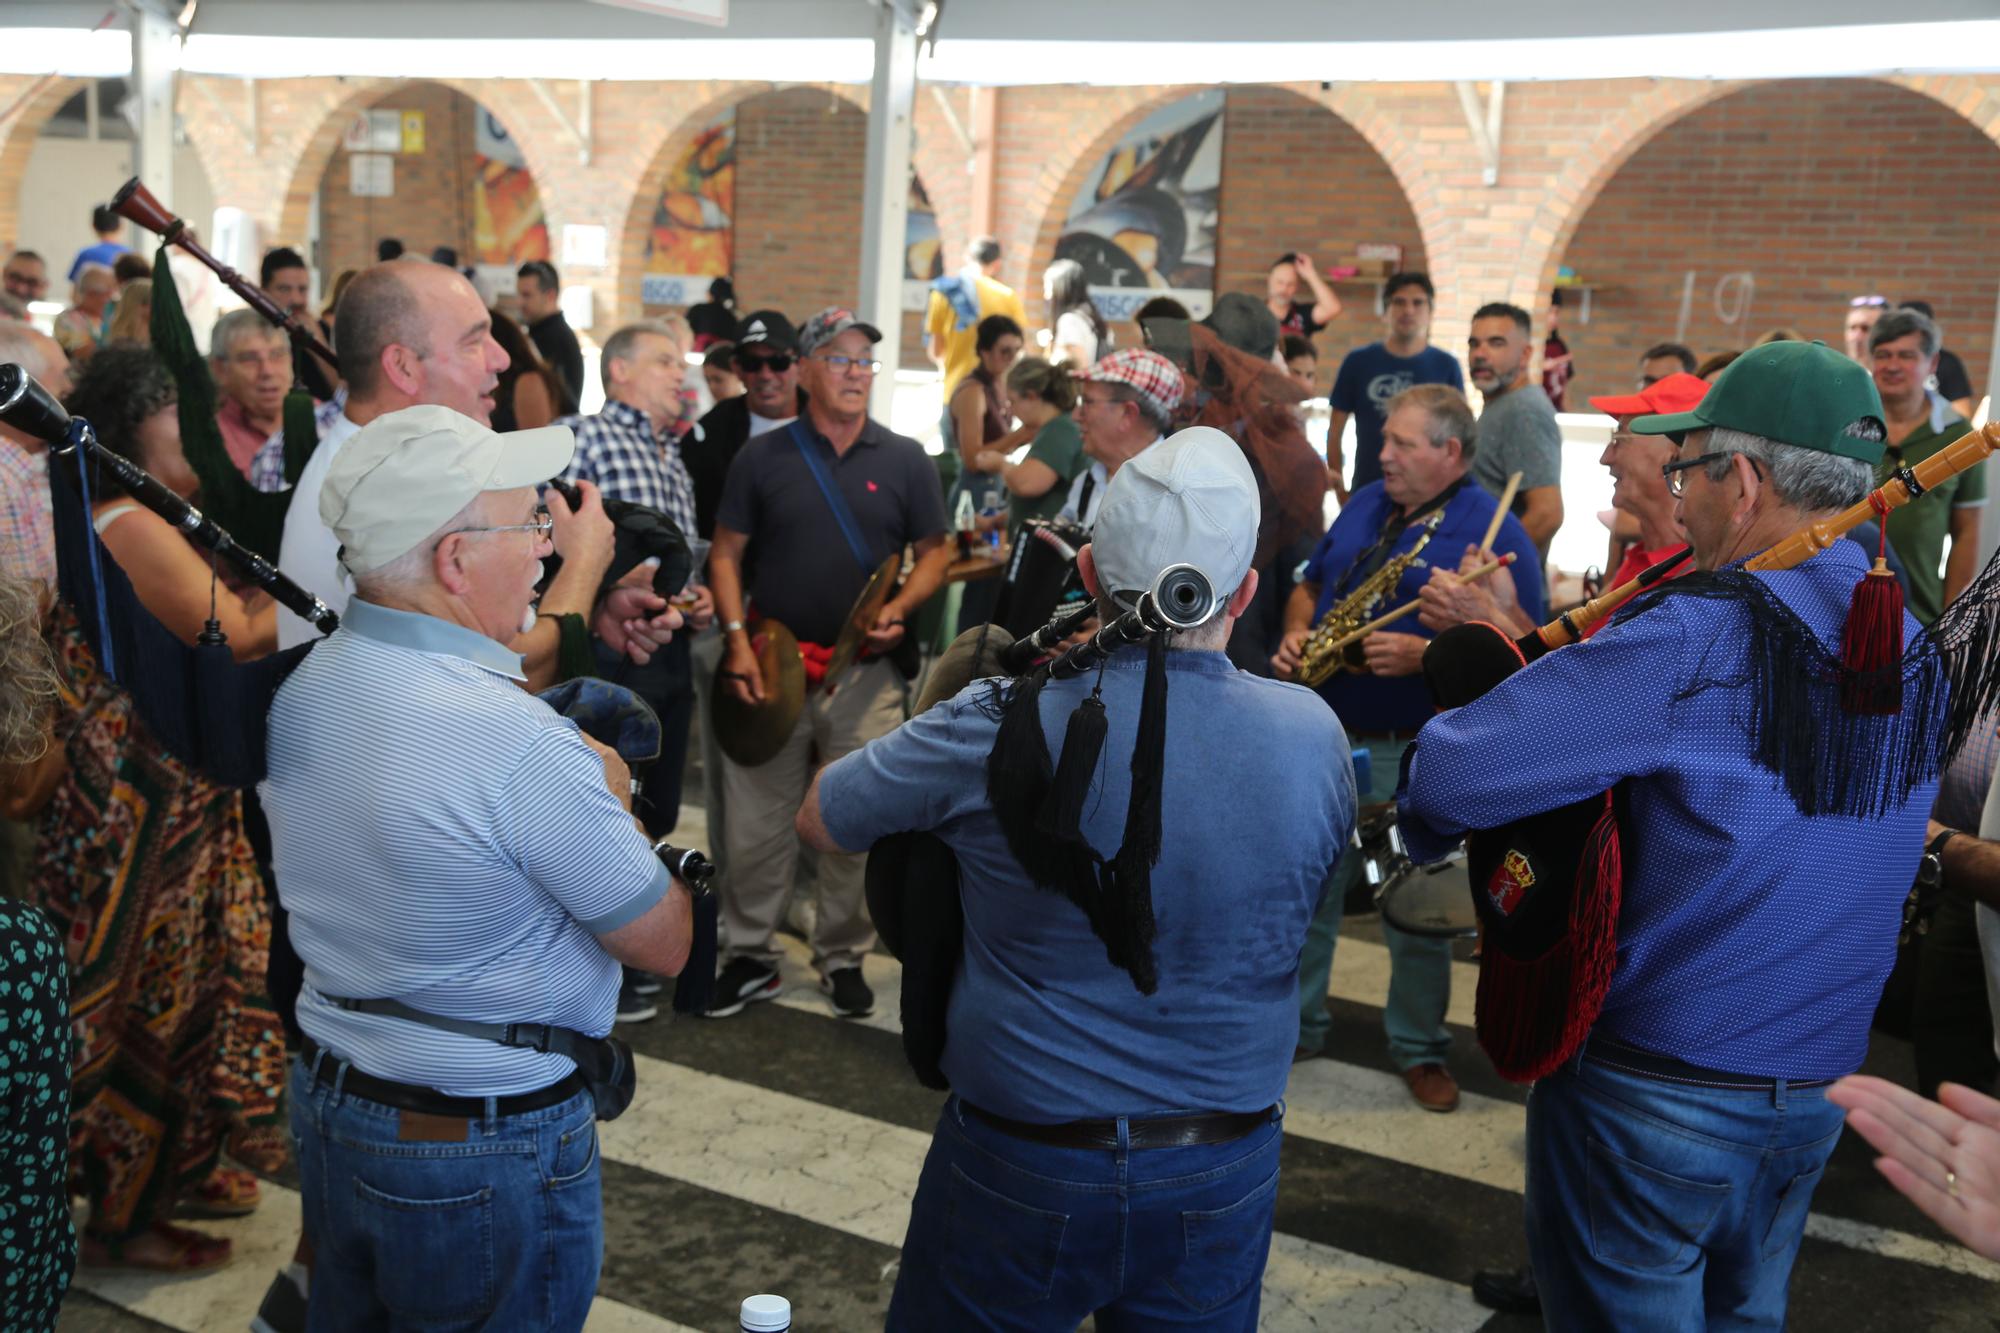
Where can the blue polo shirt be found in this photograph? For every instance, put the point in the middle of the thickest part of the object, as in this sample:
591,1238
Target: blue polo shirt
1751,939
1258,802
1402,703
443,838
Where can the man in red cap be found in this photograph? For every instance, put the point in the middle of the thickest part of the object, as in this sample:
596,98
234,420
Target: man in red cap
1637,486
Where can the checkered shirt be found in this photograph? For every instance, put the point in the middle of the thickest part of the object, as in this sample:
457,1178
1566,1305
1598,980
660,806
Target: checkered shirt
618,450
267,469
27,528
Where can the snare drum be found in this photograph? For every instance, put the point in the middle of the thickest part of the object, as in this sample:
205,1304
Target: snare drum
1434,901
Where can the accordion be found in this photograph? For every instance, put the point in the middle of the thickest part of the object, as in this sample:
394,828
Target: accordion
1041,576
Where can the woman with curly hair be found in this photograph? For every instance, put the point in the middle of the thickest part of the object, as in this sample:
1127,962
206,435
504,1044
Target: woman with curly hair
144,867
37,1242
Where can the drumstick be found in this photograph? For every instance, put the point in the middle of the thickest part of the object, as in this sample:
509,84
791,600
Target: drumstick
1500,513
1505,558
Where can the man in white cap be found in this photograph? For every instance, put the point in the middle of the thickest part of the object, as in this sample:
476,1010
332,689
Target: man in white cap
455,856
1116,1073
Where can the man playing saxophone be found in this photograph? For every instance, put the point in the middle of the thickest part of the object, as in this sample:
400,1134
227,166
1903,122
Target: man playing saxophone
1390,539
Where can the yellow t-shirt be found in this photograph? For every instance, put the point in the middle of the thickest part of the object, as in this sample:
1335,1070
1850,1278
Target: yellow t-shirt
960,352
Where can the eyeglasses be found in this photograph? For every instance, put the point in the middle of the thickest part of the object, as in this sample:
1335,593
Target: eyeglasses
544,526
750,365
1676,473
849,365
1870,302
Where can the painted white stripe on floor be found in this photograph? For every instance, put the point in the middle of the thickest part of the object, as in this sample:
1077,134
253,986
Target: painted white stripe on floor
1367,1110
224,1301
858,1175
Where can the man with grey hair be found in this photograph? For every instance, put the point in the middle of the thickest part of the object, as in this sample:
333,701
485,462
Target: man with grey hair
251,359
1674,1149
630,451
489,875
1426,496
1125,405
1073,1074
1903,350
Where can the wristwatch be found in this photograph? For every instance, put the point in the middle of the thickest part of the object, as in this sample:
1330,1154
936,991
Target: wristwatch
731,626
1930,870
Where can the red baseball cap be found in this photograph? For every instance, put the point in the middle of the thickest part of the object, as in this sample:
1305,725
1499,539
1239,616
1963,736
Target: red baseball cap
1676,393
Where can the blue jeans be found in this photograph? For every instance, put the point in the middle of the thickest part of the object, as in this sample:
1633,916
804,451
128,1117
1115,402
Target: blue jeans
503,1230
1419,968
1011,1235
1655,1205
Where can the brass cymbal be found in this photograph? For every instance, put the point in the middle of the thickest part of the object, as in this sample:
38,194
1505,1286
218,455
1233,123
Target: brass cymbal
752,734
861,619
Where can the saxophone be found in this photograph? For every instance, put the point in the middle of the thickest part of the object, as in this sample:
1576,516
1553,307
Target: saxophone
1326,649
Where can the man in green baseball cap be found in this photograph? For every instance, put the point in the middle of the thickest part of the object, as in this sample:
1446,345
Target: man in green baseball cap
1789,434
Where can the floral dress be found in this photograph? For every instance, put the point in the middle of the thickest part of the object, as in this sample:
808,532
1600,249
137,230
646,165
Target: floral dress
37,1243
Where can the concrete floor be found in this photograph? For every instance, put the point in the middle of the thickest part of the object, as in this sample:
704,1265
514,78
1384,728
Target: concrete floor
777,1151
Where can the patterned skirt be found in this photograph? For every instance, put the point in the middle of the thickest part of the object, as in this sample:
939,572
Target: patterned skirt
144,868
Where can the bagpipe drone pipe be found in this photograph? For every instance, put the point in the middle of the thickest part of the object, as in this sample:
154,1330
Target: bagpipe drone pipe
912,878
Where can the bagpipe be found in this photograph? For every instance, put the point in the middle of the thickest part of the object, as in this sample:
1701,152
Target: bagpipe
1828,722
209,710
912,878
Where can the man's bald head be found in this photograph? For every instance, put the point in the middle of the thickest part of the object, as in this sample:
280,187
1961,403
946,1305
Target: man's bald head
28,347
410,332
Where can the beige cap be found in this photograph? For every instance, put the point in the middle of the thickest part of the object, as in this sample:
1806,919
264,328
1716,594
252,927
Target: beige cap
405,473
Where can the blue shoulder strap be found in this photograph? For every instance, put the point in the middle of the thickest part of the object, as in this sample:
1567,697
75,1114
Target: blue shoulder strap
850,527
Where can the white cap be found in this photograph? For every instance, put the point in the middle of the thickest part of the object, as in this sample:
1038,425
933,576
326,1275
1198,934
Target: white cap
405,473
1189,500
766,1314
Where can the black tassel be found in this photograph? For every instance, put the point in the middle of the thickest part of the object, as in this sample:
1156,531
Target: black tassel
694,989
1128,880
1061,815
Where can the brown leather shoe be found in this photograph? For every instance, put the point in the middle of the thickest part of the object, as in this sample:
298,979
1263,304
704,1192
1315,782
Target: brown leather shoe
1433,1087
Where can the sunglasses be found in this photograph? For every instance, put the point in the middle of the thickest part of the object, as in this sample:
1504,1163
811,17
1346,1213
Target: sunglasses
750,365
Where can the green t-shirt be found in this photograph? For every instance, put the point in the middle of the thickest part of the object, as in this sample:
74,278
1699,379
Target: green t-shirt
1918,529
1059,447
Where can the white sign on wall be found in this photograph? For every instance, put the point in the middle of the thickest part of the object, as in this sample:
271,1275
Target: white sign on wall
586,245
374,132
371,175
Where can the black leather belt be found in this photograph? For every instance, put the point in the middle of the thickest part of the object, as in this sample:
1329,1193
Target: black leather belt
1665,1068
429,1101
1178,1131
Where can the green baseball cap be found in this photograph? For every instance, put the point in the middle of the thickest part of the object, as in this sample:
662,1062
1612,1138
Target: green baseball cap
1801,394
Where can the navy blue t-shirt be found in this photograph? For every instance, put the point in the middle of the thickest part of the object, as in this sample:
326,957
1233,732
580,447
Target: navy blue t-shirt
1369,377
1403,703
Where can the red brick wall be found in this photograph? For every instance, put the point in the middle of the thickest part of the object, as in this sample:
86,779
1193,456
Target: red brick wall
1297,177
432,205
1822,190
800,159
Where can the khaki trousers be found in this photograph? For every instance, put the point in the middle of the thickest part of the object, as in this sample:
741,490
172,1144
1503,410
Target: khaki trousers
759,805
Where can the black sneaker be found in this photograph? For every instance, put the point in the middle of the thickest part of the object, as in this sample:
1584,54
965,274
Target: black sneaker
643,983
850,994
634,1007
742,982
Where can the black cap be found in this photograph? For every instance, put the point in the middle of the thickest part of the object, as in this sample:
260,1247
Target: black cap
767,328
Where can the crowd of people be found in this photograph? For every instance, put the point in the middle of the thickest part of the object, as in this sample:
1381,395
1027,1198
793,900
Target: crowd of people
1118,1062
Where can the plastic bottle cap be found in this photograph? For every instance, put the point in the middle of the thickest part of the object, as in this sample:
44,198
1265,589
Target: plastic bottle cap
766,1314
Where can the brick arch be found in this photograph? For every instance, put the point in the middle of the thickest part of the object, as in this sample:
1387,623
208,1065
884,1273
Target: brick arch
1119,110
528,124
18,134
671,141
1806,234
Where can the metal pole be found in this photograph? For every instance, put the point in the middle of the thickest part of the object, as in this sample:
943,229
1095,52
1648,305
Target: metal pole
885,203
155,57
1989,527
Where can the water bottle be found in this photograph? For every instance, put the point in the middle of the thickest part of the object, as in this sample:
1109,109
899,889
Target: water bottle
766,1314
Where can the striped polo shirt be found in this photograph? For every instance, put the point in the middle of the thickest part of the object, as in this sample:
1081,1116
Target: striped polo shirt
443,838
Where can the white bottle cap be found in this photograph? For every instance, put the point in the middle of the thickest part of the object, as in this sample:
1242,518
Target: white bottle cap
766,1314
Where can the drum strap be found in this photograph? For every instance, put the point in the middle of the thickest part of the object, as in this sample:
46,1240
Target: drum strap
850,527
